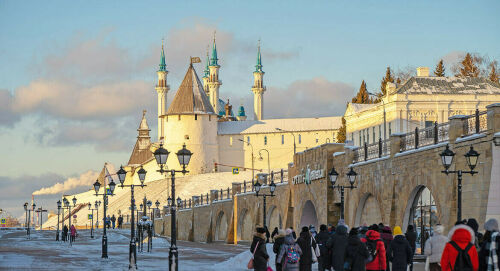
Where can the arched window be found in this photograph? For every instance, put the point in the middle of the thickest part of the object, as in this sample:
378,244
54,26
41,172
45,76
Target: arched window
282,139
300,139
265,140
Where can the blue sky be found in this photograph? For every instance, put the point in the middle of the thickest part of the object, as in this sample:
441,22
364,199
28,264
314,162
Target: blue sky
77,74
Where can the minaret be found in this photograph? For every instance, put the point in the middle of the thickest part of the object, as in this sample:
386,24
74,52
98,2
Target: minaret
143,139
162,89
258,88
213,80
206,76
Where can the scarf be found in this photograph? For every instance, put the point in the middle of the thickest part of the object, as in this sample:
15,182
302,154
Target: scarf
492,247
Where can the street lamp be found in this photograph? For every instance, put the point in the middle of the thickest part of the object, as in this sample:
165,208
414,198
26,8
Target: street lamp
97,186
294,146
258,186
58,211
92,221
351,176
471,157
184,156
268,164
68,206
96,206
251,146
157,204
496,139
28,215
132,254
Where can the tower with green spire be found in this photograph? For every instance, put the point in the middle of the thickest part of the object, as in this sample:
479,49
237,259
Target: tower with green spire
214,59
258,88
213,81
206,74
258,67
162,89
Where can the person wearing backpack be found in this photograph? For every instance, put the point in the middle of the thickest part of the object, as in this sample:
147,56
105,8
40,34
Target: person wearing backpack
490,248
258,248
434,247
279,240
399,251
355,253
337,245
290,253
322,240
376,252
411,236
386,236
460,253
306,244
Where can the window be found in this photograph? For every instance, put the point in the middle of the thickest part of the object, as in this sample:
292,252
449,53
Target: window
317,140
248,140
428,123
364,138
373,133
230,141
300,139
282,139
368,135
380,131
360,138
195,116
265,140
390,129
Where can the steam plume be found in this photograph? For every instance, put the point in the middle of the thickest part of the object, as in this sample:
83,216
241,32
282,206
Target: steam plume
85,179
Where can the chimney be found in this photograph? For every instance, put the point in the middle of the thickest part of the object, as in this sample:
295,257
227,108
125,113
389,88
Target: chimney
423,71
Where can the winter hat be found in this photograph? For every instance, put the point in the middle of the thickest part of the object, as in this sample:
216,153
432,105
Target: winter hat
472,223
398,231
305,229
288,231
491,225
353,232
439,229
373,227
341,222
322,227
261,230
386,229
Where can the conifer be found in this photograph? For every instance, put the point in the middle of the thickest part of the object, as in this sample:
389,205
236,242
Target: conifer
362,97
388,78
341,134
439,71
468,67
493,73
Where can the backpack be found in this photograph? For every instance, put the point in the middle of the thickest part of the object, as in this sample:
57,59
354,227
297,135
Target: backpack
292,256
463,261
371,245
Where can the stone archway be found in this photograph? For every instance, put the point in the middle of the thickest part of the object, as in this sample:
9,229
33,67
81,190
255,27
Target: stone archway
421,212
309,215
274,218
368,211
221,227
245,225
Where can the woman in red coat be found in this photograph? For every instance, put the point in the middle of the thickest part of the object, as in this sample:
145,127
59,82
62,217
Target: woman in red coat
462,235
379,263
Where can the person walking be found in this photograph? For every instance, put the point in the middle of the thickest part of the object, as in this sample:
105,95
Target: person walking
65,233
312,230
337,245
434,248
386,236
258,249
307,244
290,253
279,240
411,236
322,240
399,251
490,247
376,250
108,222
460,250
113,221
73,233
355,252
120,221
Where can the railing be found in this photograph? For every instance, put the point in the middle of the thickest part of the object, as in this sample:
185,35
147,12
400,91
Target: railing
372,151
475,123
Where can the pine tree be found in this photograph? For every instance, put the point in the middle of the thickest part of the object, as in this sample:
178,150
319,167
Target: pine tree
469,67
341,134
439,72
388,78
362,97
493,73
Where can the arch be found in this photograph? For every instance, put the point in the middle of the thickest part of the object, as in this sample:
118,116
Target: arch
221,227
245,225
309,215
274,218
368,211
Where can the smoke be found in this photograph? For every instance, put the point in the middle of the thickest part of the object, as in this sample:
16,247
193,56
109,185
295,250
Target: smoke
85,179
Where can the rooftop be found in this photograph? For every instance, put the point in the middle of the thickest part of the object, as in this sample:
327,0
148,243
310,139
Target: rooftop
448,85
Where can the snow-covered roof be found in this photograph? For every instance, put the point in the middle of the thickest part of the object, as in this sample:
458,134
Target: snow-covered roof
448,85
360,107
270,125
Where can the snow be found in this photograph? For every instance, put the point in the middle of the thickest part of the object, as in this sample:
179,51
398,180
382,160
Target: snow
470,137
369,161
338,153
270,125
442,144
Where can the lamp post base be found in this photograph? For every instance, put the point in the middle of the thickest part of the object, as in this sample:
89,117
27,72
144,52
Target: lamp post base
132,255
172,259
104,247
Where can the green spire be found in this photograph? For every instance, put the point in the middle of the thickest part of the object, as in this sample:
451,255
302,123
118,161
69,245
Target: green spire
258,67
241,111
213,60
207,70
163,66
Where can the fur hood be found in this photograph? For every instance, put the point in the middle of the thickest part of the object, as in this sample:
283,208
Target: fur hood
460,232
260,235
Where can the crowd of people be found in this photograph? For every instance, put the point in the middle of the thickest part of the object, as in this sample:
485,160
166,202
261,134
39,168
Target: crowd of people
378,248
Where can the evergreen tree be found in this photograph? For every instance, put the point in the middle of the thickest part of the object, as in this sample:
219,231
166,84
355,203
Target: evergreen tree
388,78
439,71
362,97
493,73
468,67
341,134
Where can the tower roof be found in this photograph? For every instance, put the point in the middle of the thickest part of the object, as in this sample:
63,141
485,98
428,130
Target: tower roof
258,67
213,60
207,70
144,123
163,65
241,111
190,97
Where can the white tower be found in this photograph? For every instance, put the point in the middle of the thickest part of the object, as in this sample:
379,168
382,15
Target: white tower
206,74
213,80
162,89
258,88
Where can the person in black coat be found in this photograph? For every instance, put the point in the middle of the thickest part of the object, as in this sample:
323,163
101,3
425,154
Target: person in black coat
322,239
400,252
279,240
259,246
411,237
337,245
491,235
305,241
65,233
274,233
356,252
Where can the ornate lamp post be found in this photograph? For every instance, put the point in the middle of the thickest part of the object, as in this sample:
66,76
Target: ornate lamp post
58,211
132,254
28,215
471,157
257,186
268,163
68,206
92,223
351,176
157,204
96,205
97,185
184,156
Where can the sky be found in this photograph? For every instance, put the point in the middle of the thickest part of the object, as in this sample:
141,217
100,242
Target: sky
76,75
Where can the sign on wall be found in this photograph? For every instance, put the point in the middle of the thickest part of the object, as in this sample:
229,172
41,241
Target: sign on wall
90,216
309,176
236,170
